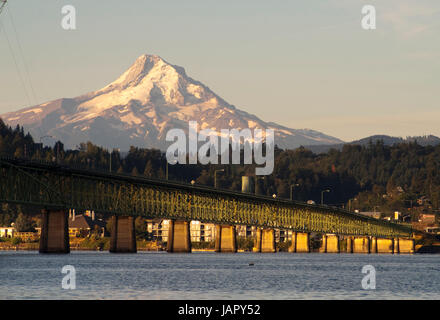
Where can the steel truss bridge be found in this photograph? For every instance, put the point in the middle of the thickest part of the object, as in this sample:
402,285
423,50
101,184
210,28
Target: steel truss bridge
52,186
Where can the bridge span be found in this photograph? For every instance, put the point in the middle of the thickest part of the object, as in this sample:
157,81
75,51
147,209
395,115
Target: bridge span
56,189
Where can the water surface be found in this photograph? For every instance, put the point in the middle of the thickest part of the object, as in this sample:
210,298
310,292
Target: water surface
160,275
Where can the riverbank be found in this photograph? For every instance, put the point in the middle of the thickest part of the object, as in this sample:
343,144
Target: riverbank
76,244
103,244
433,249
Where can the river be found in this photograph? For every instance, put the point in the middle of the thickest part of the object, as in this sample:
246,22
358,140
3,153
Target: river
207,275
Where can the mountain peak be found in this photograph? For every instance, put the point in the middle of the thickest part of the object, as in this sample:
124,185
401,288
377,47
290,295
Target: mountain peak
142,67
149,98
145,62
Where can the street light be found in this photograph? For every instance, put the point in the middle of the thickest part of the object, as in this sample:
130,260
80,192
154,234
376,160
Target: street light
291,189
349,203
215,176
322,195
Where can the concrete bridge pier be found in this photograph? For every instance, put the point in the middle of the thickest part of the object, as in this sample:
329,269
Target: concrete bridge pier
385,245
179,237
292,247
123,235
54,232
323,248
226,238
406,246
361,245
330,244
265,241
302,242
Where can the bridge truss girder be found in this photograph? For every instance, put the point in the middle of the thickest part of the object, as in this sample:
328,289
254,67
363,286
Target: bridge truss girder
47,186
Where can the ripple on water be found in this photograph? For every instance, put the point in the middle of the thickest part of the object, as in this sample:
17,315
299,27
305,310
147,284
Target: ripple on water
199,276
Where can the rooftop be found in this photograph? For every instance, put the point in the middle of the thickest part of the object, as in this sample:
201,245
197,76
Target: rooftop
85,222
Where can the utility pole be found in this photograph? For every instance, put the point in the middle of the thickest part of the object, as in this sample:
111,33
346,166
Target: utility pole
291,190
322,195
349,203
256,182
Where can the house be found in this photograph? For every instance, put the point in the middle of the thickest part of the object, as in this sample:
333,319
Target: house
434,230
427,218
158,229
7,232
82,225
246,231
424,201
371,214
201,232
27,236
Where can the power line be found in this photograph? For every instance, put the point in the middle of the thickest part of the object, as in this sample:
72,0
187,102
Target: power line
16,64
22,55
2,5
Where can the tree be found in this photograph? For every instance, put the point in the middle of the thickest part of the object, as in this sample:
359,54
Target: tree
134,172
7,215
140,226
149,171
18,152
23,223
109,226
15,241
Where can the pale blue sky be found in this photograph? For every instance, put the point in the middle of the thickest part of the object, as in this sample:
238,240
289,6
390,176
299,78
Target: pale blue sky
303,64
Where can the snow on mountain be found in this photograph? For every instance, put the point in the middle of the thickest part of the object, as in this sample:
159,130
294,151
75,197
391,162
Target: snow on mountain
139,107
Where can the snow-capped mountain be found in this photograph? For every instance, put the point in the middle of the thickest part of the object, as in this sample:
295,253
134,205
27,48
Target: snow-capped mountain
139,108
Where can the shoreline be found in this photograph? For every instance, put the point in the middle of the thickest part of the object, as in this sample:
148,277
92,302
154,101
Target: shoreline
34,246
424,250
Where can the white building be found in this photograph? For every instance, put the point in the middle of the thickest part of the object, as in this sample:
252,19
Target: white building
7,232
202,232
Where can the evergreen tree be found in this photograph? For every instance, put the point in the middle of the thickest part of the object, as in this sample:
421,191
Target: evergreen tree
23,223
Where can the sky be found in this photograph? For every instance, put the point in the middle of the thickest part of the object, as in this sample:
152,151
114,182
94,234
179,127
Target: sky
302,64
